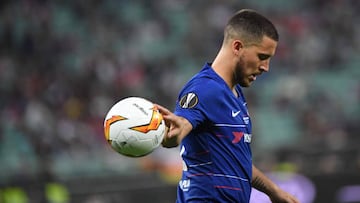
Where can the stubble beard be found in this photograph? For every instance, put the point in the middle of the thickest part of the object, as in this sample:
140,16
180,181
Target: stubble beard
239,74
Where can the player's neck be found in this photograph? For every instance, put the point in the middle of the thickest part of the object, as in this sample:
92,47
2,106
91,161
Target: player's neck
222,65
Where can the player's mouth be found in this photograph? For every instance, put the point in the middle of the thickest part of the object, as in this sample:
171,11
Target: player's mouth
253,77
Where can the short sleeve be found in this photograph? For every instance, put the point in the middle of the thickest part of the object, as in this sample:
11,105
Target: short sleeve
200,101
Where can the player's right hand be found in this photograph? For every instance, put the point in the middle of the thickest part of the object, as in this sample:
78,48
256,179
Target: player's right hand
176,127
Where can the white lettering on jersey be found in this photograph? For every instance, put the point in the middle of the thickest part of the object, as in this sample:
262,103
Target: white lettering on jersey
184,184
246,120
247,138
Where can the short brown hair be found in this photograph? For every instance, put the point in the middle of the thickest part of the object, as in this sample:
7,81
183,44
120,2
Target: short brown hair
250,27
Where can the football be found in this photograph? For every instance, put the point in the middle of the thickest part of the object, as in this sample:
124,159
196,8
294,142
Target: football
134,127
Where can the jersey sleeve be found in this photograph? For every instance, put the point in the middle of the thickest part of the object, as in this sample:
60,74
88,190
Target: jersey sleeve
199,102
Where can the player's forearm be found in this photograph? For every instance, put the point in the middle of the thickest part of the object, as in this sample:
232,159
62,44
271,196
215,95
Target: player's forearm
263,183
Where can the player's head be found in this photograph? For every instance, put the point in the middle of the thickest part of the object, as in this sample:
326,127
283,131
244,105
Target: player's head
253,40
250,27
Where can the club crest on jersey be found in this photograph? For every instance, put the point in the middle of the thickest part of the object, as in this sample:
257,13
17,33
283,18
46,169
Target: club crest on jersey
189,100
246,119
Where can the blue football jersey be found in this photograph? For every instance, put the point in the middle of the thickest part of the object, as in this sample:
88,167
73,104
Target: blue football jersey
216,154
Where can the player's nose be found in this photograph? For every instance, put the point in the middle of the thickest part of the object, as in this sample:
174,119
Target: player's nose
264,68
265,65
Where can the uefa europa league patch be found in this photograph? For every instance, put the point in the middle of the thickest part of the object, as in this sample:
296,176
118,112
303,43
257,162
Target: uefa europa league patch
189,100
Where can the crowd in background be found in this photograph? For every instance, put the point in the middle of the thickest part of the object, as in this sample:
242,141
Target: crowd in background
64,63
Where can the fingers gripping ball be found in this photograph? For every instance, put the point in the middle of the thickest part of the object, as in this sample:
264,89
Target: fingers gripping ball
134,127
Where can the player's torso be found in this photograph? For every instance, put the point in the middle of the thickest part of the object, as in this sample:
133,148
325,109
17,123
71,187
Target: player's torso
216,154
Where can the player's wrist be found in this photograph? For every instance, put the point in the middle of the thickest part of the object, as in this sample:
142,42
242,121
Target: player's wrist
169,142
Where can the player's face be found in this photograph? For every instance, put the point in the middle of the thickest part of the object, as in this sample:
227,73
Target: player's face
254,60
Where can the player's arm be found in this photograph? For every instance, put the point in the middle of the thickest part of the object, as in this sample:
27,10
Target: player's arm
264,184
177,127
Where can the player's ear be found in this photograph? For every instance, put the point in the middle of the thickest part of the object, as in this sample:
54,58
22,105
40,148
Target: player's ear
237,47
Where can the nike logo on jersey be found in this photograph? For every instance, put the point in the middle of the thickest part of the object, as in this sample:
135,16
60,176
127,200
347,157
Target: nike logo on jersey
234,114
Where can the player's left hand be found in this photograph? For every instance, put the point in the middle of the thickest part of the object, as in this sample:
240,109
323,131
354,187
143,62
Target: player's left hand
283,197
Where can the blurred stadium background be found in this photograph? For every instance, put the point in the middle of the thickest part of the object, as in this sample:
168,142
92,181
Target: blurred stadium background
64,63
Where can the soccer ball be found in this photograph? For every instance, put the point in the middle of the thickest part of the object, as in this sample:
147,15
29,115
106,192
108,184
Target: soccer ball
134,127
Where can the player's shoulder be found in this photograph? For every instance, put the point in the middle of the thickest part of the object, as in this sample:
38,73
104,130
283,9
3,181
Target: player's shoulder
205,92
204,85
206,80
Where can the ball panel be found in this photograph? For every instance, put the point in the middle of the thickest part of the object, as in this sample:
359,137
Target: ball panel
110,121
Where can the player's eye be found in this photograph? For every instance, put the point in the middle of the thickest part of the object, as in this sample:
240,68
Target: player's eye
263,57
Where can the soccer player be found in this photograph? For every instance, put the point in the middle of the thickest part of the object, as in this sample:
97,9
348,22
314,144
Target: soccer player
211,121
